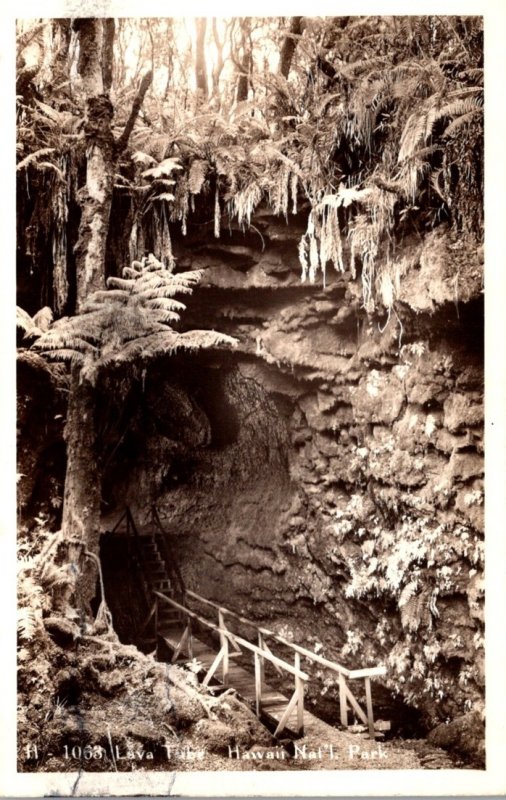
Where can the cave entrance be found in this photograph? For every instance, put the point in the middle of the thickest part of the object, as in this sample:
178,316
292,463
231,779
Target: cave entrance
183,624
211,444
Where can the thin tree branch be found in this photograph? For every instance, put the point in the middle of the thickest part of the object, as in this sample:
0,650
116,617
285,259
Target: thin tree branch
136,107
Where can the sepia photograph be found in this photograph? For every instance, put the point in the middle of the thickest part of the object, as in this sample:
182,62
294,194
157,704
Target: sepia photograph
250,394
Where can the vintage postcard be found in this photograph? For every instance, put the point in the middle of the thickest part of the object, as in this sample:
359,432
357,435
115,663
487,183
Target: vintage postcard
258,285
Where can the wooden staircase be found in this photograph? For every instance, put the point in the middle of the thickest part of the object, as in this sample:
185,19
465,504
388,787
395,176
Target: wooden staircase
183,630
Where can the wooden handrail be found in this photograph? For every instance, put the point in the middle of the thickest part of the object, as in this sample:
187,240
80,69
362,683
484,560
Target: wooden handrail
333,665
367,672
140,558
119,521
168,557
232,636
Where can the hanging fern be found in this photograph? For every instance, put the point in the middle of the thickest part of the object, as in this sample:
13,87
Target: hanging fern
197,175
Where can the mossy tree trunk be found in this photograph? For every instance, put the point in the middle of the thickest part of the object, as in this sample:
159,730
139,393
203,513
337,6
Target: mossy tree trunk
83,484
83,488
95,196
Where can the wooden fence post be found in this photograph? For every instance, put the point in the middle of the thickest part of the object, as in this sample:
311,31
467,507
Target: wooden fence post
261,645
190,637
258,685
156,628
343,703
370,713
299,688
223,646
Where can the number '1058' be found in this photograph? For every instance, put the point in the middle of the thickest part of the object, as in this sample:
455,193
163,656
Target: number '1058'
87,752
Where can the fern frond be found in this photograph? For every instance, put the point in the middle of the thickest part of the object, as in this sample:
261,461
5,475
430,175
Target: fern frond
460,106
131,272
204,339
67,356
167,290
52,576
112,296
43,318
414,131
154,280
28,623
408,592
49,165
166,317
100,304
120,283
33,157
163,292
166,303
158,182
274,151
454,126
167,196
142,158
58,340
197,175
55,116
163,169
244,202
191,277
23,320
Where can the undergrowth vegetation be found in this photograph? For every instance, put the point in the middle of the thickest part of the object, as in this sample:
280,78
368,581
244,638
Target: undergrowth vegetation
420,570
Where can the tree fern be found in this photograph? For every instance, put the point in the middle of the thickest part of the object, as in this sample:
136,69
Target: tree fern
132,319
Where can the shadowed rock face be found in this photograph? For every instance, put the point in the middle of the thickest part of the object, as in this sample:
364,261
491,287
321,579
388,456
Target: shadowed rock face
326,478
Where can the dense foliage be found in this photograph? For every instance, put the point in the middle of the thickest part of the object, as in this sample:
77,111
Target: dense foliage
371,126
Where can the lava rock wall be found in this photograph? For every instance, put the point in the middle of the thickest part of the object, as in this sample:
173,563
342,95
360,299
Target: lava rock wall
331,484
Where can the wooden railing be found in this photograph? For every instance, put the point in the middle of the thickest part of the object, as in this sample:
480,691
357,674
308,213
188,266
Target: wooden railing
168,557
261,653
347,699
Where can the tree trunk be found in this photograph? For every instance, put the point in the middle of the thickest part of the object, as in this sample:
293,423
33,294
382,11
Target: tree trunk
289,45
107,53
243,82
244,64
200,58
96,195
83,488
83,479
